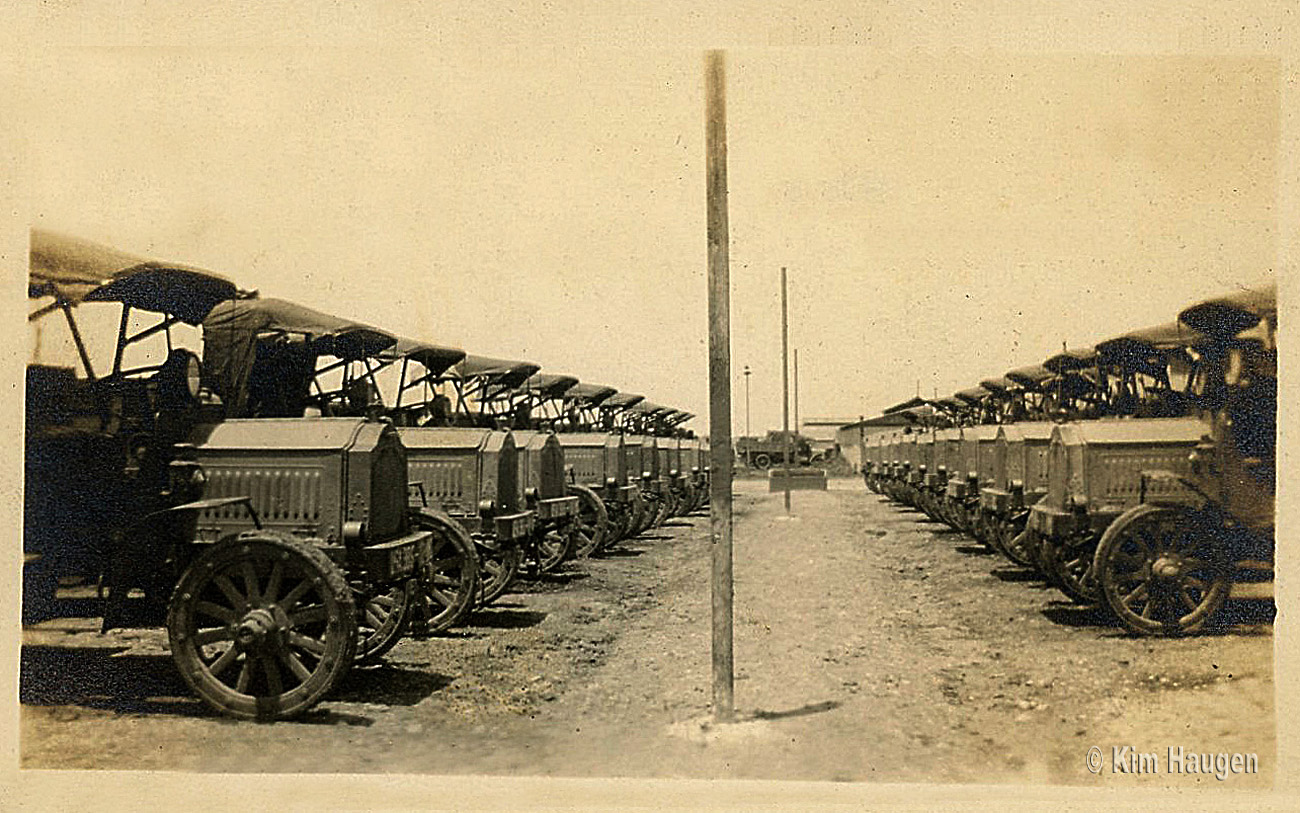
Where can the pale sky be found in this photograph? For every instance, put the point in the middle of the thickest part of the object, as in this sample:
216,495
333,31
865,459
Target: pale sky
944,218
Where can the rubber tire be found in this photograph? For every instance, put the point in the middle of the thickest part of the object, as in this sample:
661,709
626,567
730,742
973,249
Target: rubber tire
648,515
392,610
336,632
593,521
620,522
1066,561
1119,536
1011,538
639,510
557,553
666,505
498,570
454,576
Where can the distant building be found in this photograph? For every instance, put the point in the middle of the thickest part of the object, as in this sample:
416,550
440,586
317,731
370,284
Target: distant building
823,429
852,436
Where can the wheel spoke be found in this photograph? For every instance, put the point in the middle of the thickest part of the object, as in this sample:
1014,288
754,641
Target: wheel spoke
211,636
309,615
295,665
216,611
293,596
1146,609
236,599
307,643
251,587
245,672
1188,601
223,662
1141,592
273,583
1195,582
440,597
449,562
373,619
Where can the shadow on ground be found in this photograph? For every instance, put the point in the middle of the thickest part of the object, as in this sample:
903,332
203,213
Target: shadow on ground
546,582
104,678
627,553
1068,614
498,618
389,684
802,711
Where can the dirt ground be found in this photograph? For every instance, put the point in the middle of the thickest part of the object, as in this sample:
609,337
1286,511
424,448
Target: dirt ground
870,645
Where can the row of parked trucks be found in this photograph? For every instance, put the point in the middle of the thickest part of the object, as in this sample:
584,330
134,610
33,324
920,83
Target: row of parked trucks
1137,474
302,491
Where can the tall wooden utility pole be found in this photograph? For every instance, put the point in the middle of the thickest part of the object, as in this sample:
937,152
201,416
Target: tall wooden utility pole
720,460
796,389
785,387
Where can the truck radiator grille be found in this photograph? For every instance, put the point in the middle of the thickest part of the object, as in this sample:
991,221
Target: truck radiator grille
277,494
444,480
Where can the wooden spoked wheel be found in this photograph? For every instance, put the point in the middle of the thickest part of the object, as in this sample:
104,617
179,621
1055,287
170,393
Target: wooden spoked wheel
262,626
450,581
553,547
382,619
1161,571
1012,540
497,571
593,521
1071,562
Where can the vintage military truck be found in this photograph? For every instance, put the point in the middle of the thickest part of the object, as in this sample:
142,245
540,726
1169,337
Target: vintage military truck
1094,473
638,449
261,584
515,398
285,374
1095,467
464,472
764,452
542,466
871,457
1018,481
679,450
1017,475
638,419
1166,567
961,498
596,460
694,456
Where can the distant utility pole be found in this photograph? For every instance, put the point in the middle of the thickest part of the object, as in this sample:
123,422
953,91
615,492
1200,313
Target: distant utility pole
796,390
785,385
747,372
720,458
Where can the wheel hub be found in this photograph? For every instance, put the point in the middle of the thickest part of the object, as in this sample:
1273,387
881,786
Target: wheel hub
1167,567
259,629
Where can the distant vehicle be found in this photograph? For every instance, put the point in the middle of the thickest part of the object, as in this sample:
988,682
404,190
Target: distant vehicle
823,451
762,453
